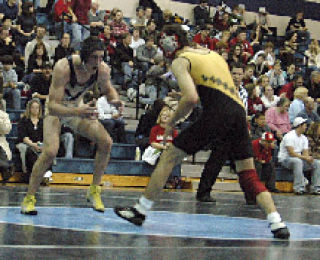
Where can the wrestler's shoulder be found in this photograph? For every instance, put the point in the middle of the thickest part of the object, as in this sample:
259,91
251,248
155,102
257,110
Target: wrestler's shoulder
62,66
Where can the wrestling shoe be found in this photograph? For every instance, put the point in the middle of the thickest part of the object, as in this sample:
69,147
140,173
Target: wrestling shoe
280,230
28,205
93,196
130,214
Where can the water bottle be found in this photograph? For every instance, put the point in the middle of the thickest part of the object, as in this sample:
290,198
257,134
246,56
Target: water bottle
138,154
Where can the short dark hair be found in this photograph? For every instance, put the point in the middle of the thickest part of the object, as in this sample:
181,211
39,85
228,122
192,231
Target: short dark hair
176,29
237,65
7,60
90,45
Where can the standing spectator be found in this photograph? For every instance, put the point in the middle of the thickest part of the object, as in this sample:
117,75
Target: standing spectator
79,32
148,14
201,13
276,78
9,8
297,105
10,84
289,88
308,111
221,23
268,98
278,118
119,26
25,26
6,166
136,41
294,155
112,120
262,150
7,46
44,13
63,49
40,34
109,42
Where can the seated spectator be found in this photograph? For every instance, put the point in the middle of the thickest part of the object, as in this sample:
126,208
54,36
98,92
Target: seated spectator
119,26
262,150
289,88
236,17
201,13
19,65
96,18
79,33
40,83
7,46
146,122
25,26
254,102
268,98
221,20
236,55
308,111
290,47
261,83
225,36
294,155
63,17
139,22
313,85
6,166
38,58
9,8
289,73
11,92
136,41
249,77
146,54
258,125
109,42
262,20
298,26
30,136
40,34
256,38
202,38
260,65
63,49
124,62
269,52
167,19
241,38
156,139
276,78
112,120
150,31
153,82
313,54
313,135
277,118
148,14
297,105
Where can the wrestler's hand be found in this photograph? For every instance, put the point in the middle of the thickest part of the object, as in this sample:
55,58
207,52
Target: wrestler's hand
87,112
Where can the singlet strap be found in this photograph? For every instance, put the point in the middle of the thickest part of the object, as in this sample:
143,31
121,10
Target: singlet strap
73,78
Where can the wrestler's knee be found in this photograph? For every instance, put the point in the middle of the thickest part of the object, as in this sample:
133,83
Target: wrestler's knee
251,184
104,142
173,155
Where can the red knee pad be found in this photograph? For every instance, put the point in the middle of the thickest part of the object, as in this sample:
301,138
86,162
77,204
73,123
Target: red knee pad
250,183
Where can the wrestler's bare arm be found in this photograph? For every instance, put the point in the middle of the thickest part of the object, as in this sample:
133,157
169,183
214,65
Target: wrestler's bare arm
60,77
189,94
105,83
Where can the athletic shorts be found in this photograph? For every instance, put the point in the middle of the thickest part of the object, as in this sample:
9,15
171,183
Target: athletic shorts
223,123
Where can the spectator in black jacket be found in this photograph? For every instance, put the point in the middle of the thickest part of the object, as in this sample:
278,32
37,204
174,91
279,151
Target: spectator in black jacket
6,43
63,49
201,13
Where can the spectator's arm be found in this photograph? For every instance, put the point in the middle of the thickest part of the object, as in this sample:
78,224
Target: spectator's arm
140,55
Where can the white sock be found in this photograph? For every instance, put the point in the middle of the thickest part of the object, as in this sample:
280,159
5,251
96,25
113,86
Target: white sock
274,217
144,205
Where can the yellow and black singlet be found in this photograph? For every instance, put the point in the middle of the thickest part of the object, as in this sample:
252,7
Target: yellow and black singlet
211,71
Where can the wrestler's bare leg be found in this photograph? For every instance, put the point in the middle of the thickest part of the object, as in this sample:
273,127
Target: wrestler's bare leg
160,175
263,199
51,140
95,132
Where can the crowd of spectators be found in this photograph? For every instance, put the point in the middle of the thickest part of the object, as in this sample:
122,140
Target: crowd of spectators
278,78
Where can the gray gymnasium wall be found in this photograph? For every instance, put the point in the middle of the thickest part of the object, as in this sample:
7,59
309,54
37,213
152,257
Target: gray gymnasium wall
280,10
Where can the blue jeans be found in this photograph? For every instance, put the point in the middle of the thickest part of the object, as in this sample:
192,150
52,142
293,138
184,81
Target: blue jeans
15,94
130,75
79,34
298,166
59,31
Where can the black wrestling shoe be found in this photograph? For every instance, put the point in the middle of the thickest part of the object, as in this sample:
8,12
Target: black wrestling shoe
205,198
130,214
280,230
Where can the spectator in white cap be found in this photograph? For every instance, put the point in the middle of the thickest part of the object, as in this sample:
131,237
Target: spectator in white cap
294,155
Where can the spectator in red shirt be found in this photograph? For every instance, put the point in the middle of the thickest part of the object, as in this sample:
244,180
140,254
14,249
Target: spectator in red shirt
255,103
221,23
262,150
79,32
63,17
157,132
289,88
242,39
118,25
202,38
110,43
